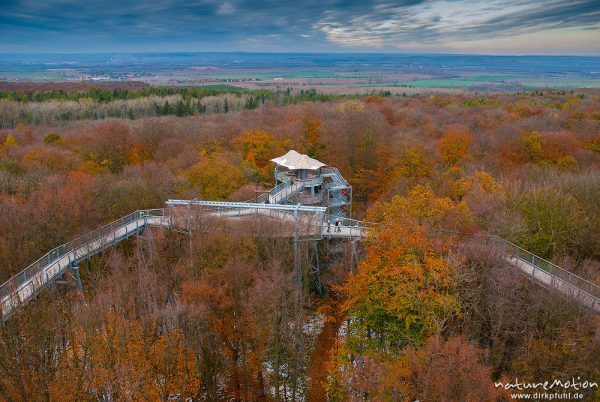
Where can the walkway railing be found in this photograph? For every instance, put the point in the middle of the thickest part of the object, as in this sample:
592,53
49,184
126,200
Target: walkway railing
280,187
257,219
536,262
239,206
29,282
309,180
348,228
283,191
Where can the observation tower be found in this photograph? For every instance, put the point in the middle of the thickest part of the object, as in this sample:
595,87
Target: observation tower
300,179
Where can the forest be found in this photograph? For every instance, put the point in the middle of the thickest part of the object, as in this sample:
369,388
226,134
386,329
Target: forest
427,312
37,103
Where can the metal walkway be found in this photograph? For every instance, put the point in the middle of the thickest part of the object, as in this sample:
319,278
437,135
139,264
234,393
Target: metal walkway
312,221
303,221
19,289
549,275
291,220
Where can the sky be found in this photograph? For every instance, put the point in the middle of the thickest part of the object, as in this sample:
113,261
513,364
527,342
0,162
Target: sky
382,26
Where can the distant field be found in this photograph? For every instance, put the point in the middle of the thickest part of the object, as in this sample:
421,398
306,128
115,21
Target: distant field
348,72
500,81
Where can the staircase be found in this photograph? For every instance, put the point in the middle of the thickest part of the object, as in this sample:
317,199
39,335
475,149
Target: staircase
284,191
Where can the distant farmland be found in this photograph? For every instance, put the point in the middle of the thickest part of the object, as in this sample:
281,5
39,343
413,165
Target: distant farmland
330,73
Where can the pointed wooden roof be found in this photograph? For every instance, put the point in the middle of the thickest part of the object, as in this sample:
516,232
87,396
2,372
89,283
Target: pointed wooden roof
294,161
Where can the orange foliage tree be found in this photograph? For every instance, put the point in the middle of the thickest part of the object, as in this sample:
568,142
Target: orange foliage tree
258,147
478,181
554,148
312,136
109,145
445,370
213,177
453,147
120,361
413,164
402,292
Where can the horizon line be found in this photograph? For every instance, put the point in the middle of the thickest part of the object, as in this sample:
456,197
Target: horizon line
298,52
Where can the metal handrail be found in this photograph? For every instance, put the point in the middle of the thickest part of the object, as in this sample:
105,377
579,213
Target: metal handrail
335,174
351,222
87,245
30,273
309,199
548,267
267,194
246,205
285,193
355,227
312,181
280,187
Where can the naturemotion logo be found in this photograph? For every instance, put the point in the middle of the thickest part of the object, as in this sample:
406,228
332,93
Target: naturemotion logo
560,389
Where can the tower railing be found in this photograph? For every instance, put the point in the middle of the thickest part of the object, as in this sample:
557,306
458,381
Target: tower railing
283,194
280,187
335,174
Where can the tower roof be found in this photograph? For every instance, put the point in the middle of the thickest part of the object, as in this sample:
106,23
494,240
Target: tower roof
294,160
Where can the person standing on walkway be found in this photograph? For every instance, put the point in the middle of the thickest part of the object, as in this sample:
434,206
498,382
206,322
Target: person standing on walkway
338,225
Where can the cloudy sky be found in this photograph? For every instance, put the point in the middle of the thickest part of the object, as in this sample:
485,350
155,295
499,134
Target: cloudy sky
460,26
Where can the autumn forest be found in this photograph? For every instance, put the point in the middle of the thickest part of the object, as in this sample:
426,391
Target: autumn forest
423,308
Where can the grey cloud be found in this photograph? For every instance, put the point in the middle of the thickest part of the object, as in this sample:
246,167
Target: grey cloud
412,23
280,25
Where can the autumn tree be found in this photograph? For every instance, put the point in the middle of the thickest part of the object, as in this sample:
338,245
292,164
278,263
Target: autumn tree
559,147
109,146
443,370
10,142
258,147
400,293
480,181
32,344
412,163
553,221
213,177
425,208
312,136
118,360
453,147
594,144
23,132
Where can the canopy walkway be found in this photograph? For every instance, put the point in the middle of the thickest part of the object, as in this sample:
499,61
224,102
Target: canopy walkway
19,289
296,221
549,275
302,221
